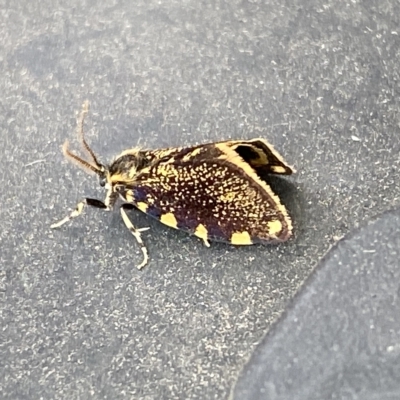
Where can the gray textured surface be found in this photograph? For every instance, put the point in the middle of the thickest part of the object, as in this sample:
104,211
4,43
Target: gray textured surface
340,339
319,79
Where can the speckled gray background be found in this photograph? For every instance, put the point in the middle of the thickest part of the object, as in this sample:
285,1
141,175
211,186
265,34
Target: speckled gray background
319,79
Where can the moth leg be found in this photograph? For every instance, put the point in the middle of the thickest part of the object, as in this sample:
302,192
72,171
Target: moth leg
78,210
135,232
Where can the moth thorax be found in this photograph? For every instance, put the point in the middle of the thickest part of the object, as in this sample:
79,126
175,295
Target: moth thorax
124,168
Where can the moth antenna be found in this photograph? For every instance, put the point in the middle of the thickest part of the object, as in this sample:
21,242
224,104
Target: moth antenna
81,136
79,161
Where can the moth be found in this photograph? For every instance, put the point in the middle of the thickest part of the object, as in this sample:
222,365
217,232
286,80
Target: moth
213,191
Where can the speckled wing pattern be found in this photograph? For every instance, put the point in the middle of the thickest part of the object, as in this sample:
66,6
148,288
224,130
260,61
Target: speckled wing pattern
214,192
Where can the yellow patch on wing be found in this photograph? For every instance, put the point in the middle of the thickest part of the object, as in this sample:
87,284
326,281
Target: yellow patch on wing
202,233
241,238
142,206
193,154
169,219
278,169
274,227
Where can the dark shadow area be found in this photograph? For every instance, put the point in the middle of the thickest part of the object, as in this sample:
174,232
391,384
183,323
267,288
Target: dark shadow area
339,333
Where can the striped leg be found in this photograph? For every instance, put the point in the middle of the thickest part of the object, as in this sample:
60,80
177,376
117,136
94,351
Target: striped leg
78,210
135,232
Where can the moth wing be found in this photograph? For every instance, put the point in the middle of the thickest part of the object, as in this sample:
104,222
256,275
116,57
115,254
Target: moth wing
258,153
261,156
212,192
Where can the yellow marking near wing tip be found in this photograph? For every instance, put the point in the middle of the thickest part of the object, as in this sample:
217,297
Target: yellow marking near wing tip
241,238
274,227
202,233
169,219
278,169
192,154
142,206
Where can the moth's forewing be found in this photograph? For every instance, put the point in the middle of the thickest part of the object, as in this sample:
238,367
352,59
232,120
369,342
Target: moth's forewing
212,192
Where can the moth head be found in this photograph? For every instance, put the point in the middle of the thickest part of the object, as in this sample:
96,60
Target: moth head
113,177
94,167
125,167
117,175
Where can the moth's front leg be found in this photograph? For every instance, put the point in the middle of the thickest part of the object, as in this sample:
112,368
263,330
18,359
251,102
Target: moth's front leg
135,232
78,210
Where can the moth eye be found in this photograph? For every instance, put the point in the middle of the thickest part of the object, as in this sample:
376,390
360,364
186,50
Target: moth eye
103,182
119,188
